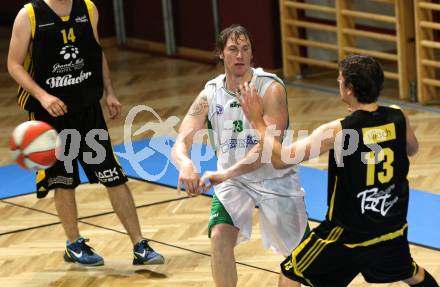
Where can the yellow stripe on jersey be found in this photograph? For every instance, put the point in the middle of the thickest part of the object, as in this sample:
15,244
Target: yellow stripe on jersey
65,18
21,98
89,5
25,98
26,95
385,237
332,200
31,13
379,134
23,95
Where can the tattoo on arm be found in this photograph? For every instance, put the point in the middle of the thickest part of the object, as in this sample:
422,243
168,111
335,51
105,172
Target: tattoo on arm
199,106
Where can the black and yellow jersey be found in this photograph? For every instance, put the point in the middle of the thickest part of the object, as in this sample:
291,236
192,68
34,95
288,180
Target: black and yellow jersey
368,189
64,58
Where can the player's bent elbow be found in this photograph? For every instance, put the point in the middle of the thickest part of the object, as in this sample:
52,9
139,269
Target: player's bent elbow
13,68
10,67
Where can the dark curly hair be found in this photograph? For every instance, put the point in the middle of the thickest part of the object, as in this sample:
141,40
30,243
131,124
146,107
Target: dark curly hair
364,75
234,31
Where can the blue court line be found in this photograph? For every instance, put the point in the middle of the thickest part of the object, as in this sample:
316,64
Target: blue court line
423,213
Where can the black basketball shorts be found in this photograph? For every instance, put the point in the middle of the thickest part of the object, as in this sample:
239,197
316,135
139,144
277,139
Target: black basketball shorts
323,259
87,142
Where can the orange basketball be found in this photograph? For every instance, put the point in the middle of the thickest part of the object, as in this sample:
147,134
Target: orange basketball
33,145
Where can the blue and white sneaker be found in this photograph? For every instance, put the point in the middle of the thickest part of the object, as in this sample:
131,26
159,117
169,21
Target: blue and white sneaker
80,252
145,255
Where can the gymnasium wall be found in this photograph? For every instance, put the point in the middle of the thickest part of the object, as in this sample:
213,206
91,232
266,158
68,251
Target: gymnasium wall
365,43
194,25
143,20
106,26
10,8
262,20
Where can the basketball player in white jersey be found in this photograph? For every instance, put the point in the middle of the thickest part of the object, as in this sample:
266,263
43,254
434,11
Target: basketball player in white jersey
277,193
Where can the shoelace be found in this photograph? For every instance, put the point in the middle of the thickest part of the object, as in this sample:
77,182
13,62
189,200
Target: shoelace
81,244
144,243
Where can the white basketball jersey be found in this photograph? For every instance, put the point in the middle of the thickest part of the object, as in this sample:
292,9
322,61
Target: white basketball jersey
232,135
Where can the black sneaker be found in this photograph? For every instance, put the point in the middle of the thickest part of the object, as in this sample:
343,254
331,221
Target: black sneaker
145,255
80,252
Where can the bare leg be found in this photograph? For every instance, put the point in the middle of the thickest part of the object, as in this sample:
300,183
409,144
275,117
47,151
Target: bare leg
123,204
65,205
223,240
286,282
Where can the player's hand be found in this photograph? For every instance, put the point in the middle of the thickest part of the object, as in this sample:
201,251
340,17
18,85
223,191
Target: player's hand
211,178
53,105
189,178
114,106
251,104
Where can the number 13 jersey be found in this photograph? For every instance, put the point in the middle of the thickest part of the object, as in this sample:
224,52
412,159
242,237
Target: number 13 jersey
368,189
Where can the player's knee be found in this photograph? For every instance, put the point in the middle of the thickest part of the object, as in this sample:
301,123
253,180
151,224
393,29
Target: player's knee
217,232
216,236
223,235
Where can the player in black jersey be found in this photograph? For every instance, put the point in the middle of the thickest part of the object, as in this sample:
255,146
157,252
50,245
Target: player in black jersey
365,230
56,58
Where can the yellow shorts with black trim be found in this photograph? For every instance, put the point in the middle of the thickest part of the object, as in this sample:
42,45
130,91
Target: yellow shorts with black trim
324,259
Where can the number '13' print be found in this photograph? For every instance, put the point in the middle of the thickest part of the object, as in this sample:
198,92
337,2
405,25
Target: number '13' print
386,174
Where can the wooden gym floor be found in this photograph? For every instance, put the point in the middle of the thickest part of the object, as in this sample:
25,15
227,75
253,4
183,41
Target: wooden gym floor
32,239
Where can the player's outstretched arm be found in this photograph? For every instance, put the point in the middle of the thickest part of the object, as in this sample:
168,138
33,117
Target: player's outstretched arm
194,121
320,141
274,113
